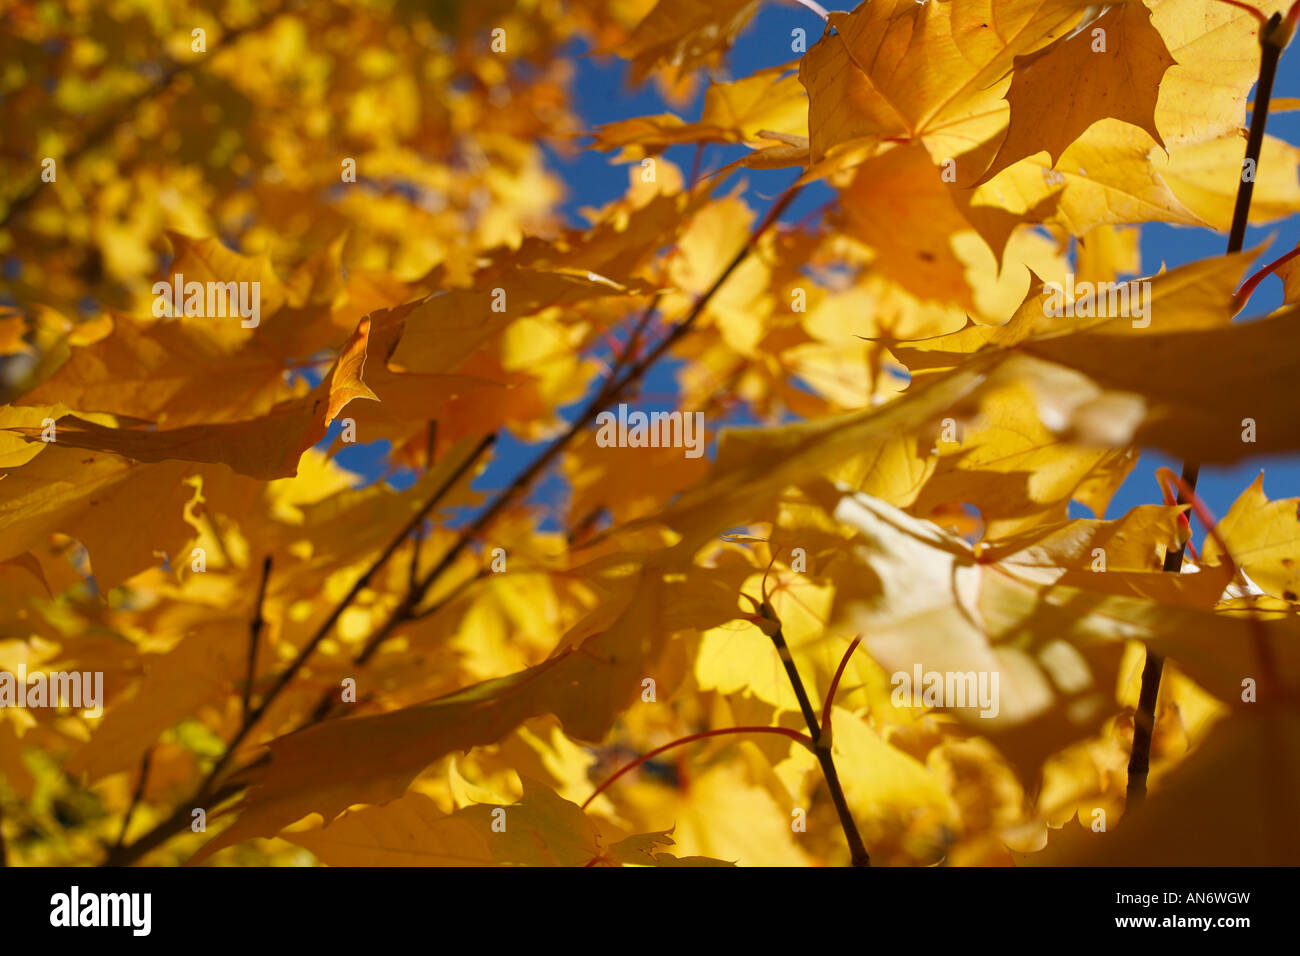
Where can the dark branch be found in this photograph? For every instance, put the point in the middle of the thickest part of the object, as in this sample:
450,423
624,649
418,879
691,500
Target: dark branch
1144,720
254,633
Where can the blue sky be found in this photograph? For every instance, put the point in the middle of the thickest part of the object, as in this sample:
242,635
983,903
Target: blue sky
602,95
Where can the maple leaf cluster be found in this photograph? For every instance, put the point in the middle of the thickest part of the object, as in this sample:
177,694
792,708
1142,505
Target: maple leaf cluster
242,241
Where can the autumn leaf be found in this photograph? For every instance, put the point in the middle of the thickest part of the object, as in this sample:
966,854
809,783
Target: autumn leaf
266,447
1114,63
584,684
650,433
540,830
684,34
1262,537
901,69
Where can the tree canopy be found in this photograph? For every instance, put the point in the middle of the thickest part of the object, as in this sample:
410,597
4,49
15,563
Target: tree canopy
340,456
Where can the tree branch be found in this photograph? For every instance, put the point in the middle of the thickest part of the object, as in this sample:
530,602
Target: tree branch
821,742
613,389
254,632
417,538
802,739
135,797
326,705
1272,40
835,685
125,855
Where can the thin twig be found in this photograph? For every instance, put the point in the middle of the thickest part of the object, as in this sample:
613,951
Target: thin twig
1242,295
800,692
695,167
802,739
136,797
634,340
1263,647
164,830
255,632
289,673
325,706
685,327
835,685
417,538
822,746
